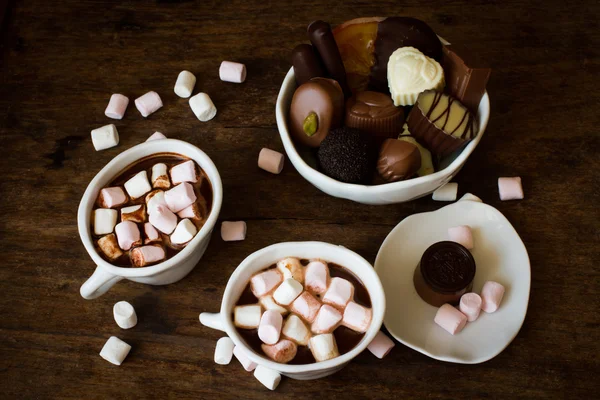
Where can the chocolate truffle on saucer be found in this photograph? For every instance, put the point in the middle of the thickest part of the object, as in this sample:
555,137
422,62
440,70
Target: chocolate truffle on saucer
347,155
374,113
398,160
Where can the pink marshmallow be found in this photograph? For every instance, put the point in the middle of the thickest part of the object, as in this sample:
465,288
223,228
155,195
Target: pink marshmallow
151,233
233,230
148,103
470,305
381,345
510,188
128,235
339,293
180,197
248,364
357,317
263,282
449,318
327,320
269,328
316,277
491,296
116,106
270,160
145,255
306,306
192,212
461,235
282,352
156,136
184,172
232,72
163,219
112,197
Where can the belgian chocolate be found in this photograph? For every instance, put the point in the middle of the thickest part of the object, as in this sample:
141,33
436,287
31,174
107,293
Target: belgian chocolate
307,63
427,167
348,155
396,32
374,113
321,37
466,77
444,274
398,160
317,107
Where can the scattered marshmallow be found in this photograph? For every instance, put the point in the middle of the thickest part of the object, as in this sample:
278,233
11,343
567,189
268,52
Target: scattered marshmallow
357,317
446,192
203,107
138,185
115,350
291,268
270,160
247,363
339,293
105,220
268,303
269,328
470,197
323,347
154,199
110,247
268,377
184,232
295,330
381,345
116,106
112,197
247,316
180,197
184,86
306,306
232,72
510,188
191,212
282,352
470,305
224,351
151,233
160,178
148,103
125,315
461,235
449,318
491,296
316,277
232,231
135,213
184,172
146,255
156,136
287,292
128,235
105,137
263,282
163,219
327,320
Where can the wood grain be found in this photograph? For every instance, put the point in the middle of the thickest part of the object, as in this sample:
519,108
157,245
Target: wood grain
61,61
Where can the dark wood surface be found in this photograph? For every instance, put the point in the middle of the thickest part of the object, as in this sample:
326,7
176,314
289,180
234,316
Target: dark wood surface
61,61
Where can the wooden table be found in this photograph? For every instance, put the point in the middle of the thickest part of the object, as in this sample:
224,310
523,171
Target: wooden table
61,61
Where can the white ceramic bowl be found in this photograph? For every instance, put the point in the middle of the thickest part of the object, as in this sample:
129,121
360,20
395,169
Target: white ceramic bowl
173,269
389,193
269,255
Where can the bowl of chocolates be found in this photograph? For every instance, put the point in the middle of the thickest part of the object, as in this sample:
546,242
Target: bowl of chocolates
381,110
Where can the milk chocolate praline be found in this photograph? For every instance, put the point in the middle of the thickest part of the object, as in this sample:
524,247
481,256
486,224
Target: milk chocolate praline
398,160
374,113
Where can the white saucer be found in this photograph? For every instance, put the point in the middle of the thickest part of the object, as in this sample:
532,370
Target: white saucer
499,255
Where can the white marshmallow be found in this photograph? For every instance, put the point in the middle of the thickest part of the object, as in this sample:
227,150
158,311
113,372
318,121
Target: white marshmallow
446,193
357,317
160,178
268,377
265,281
105,220
510,188
224,351
248,364
339,293
148,103
135,213
295,330
462,235
184,232
203,107
116,106
269,304
287,292
105,137
327,320
271,161
110,247
269,328
470,305
184,86
306,306
115,350
154,199
138,185
247,316
232,231
316,277
291,268
232,72
156,136
323,347
125,315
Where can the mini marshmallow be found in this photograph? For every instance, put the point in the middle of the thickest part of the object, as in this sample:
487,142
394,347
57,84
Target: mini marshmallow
316,277
180,197
151,233
327,320
470,305
184,86
110,247
105,137
156,136
184,232
138,185
146,255
163,219
263,282
135,213
184,172
115,350
224,351
306,306
470,197
128,235
248,364
446,192
449,318
203,107
125,315
357,317
105,220
269,328
291,268
268,303
339,293
295,330
510,188
282,352
491,296
462,235
268,377
148,103
160,178
232,231
287,292
116,106
381,345
247,316
232,72
154,199
323,347
270,160
112,197
191,212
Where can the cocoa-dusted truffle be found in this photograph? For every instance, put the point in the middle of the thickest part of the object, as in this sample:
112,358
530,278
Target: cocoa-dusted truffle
347,155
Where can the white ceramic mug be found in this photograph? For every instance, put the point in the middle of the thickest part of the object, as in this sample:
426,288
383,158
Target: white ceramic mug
171,270
308,250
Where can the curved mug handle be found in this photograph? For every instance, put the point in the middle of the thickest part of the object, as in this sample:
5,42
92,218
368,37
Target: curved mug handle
212,320
98,284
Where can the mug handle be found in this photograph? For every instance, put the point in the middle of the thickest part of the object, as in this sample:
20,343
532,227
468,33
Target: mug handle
212,320
98,284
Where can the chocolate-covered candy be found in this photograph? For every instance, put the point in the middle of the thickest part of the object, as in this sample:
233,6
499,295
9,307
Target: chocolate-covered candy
317,107
427,167
307,63
374,113
398,160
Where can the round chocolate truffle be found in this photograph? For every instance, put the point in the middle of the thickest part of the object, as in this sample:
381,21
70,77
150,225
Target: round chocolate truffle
347,155
398,160
374,113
